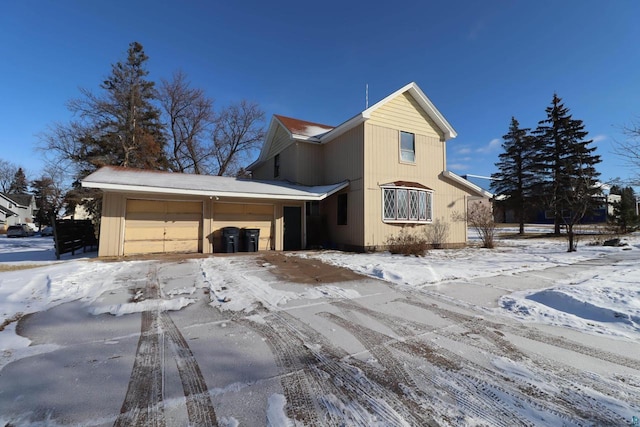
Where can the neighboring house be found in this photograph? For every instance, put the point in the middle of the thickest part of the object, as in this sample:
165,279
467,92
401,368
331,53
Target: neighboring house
17,209
349,187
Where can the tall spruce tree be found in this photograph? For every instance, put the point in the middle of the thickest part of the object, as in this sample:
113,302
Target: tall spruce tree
567,160
514,181
19,184
119,126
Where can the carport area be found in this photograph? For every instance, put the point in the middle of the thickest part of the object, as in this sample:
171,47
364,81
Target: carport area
149,212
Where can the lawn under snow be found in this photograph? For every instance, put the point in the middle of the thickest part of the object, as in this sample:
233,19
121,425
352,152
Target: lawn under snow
604,301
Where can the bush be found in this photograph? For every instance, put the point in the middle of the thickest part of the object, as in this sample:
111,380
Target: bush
407,243
436,234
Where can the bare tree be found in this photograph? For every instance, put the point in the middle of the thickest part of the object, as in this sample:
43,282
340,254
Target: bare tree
480,217
8,171
629,150
238,131
189,116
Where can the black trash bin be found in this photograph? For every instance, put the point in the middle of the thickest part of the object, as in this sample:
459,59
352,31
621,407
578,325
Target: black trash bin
250,239
230,238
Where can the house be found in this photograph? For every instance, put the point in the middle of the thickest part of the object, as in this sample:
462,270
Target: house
17,209
349,187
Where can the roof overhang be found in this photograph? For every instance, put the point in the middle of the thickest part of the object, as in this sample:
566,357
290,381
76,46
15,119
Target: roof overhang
128,180
478,191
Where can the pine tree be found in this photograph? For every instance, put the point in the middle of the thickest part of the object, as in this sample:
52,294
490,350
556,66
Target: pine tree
567,160
122,125
514,181
19,185
625,216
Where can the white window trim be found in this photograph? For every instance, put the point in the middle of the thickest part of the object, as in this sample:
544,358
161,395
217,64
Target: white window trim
417,191
400,150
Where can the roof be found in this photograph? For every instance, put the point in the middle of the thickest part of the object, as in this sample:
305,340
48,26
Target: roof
315,132
468,184
301,129
407,184
112,178
20,199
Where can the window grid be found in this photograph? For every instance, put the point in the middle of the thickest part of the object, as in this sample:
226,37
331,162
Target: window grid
404,205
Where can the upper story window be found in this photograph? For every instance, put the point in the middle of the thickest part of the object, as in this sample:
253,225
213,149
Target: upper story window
276,166
407,147
406,204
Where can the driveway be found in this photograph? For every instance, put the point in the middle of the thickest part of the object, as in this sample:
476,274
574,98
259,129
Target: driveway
180,349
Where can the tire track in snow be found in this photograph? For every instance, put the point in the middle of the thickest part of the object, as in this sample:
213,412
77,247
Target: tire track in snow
571,402
143,403
322,384
484,394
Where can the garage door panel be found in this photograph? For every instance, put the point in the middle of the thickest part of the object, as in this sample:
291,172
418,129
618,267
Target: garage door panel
157,226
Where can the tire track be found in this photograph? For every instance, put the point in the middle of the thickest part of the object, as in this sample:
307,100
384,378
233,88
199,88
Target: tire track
395,378
322,384
199,405
570,396
445,360
529,333
143,403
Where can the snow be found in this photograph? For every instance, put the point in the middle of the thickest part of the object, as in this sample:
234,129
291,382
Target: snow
601,300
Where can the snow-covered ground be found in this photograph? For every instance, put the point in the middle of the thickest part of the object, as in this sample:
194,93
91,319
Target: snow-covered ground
575,300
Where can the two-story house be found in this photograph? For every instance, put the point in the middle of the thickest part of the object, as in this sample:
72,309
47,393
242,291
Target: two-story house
393,155
350,187
17,209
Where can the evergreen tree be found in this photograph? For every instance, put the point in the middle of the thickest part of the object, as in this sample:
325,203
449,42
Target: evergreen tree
625,216
120,126
19,185
567,160
48,199
514,180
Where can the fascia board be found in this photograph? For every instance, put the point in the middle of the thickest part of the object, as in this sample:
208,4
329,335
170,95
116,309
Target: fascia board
470,185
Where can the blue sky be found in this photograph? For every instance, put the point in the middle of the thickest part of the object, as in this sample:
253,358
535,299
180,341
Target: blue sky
480,62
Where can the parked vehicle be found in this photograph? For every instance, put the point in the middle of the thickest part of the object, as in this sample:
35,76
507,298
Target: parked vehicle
47,231
19,230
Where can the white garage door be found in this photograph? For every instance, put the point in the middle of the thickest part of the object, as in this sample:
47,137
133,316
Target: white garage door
160,226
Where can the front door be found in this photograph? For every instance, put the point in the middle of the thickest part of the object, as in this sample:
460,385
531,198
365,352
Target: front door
292,228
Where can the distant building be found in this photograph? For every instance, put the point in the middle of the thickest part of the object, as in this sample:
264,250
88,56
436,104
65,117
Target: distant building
17,209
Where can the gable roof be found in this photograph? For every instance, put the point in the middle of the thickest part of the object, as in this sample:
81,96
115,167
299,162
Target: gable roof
22,200
315,132
113,178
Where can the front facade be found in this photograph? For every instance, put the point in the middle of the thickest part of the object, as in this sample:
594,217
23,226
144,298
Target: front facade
394,157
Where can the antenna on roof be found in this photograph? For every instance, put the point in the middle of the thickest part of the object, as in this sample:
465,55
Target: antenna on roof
366,96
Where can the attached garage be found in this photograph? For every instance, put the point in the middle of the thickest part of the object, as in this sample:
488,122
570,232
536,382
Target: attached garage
146,212
162,226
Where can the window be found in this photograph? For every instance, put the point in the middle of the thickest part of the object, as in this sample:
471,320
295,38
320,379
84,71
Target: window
406,205
276,166
342,209
407,147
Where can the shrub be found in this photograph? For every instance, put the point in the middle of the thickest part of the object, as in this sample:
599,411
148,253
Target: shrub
407,243
436,234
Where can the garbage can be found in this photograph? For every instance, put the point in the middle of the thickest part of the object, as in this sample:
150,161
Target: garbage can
250,239
230,237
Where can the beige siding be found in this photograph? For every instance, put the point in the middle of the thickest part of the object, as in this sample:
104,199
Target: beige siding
111,224
383,165
279,142
343,160
309,163
404,113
